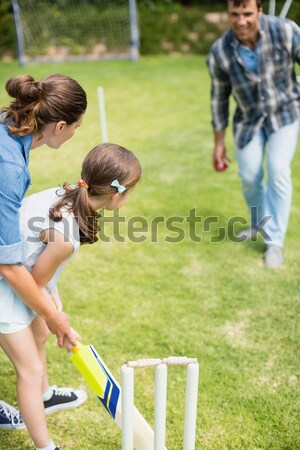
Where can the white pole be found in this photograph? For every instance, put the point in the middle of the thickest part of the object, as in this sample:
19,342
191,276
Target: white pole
19,31
127,407
272,7
160,406
190,417
134,31
285,8
103,125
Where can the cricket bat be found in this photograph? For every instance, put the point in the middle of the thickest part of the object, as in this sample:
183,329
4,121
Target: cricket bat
108,391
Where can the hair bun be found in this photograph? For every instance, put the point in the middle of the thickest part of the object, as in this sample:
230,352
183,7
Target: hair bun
24,89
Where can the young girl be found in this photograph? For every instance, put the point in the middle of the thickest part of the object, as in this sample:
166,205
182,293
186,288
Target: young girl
54,223
42,112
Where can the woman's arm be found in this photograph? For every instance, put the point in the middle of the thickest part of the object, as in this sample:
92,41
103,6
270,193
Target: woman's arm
22,282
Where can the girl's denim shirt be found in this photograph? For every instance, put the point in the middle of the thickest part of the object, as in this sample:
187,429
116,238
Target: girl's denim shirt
14,182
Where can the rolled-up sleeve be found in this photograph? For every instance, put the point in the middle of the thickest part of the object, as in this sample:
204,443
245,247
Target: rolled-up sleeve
12,254
14,182
13,185
11,247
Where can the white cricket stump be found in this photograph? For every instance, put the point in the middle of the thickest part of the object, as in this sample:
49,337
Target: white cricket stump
191,401
127,407
160,406
160,400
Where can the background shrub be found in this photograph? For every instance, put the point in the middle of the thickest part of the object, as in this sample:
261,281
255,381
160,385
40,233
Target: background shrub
166,26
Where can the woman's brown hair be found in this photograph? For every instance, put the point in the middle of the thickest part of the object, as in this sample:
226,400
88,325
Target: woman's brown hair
102,165
38,103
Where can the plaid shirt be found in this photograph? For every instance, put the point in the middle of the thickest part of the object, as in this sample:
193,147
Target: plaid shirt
270,99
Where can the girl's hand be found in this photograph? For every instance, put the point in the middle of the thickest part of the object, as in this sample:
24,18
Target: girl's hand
56,298
58,324
67,344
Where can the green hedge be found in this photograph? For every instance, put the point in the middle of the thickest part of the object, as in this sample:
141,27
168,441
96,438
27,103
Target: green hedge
7,35
166,26
172,29
170,26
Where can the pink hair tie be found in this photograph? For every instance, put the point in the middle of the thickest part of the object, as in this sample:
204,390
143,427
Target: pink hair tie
82,183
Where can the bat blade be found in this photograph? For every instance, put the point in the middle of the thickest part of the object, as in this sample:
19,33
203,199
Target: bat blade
107,389
98,377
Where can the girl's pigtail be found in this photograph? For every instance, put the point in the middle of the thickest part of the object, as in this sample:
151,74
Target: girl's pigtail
86,216
76,199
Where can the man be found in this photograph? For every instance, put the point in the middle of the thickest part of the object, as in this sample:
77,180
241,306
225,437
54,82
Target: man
254,61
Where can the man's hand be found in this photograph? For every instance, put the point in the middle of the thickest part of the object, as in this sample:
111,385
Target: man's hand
220,160
58,324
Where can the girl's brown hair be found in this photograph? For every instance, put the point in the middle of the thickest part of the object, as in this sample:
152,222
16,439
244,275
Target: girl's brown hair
102,165
38,103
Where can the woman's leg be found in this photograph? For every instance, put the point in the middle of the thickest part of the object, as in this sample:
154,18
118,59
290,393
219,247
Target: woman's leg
21,349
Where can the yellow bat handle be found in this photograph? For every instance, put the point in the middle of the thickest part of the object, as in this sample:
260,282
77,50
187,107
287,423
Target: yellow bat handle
77,347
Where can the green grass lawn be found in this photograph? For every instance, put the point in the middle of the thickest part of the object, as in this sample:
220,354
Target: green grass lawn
213,301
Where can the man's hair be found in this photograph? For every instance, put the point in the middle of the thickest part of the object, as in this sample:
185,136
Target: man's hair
244,2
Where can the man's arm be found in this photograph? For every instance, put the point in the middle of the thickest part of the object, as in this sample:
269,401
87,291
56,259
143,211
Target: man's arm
220,93
219,153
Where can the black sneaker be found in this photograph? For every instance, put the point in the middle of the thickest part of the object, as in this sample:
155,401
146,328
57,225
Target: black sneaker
10,417
64,398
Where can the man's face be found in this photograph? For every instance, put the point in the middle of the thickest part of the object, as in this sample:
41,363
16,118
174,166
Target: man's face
244,20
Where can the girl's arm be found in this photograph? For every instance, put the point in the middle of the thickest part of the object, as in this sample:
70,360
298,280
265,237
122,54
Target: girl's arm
56,298
56,251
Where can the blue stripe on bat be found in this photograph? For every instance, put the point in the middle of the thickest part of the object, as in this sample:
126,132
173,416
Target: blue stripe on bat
112,390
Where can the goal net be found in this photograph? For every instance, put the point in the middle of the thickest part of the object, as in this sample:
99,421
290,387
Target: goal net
62,30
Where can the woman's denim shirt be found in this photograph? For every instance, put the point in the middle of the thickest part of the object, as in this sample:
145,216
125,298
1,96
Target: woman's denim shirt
14,182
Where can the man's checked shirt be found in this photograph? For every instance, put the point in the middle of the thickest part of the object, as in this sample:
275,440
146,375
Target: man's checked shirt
270,98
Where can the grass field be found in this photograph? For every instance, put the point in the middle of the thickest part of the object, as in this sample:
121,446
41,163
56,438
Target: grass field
213,301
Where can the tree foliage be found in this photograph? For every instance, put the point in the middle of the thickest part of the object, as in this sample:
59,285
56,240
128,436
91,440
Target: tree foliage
7,35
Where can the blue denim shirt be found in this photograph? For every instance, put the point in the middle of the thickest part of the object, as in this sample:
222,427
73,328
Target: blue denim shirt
14,182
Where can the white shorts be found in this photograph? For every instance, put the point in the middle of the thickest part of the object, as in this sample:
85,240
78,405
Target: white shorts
9,328
12,309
